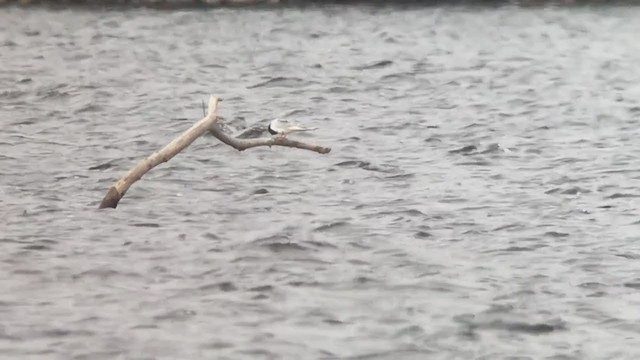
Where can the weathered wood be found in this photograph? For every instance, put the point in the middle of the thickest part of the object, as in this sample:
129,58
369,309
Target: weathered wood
117,191
244,144
208,123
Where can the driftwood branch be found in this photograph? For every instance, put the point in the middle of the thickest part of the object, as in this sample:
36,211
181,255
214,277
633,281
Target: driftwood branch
117,191
244,144
208,123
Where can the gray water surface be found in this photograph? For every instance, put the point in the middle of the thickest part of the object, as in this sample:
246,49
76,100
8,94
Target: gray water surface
480,200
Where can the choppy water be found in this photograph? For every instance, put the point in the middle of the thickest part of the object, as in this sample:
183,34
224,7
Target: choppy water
480,201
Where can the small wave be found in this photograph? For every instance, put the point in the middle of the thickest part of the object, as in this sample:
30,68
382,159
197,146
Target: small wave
298,283
508,227
422,235
396,77
262,288
622,195
511,326
556,234
375,65
12,94
406,354
279,82
214,66
400,176
225,286
55,92
517,249
464,150
280,247
331,226
210,236
341,90
408,212
176,315
89,108
279,243
37,247
104,166
475,163
147,225
522,327
321,244
633,285
575,190
365,165
60,332
103,274
495,148
630,256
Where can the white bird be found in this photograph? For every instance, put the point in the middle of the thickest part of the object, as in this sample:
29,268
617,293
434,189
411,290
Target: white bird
285,127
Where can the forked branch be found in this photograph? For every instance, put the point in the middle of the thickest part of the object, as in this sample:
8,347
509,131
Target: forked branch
208,123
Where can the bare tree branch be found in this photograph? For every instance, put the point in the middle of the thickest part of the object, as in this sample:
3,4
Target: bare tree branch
208,123
117,191
244,144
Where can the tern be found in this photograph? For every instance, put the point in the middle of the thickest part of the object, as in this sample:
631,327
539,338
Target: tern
285,127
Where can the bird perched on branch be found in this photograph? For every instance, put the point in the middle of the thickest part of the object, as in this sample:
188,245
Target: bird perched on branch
285,127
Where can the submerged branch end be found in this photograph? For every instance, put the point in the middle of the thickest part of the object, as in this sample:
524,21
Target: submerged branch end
111,199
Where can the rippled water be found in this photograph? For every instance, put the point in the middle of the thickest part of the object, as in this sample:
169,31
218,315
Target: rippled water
480,200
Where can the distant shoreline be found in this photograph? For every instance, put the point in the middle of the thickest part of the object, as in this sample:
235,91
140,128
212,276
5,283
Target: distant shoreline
195,4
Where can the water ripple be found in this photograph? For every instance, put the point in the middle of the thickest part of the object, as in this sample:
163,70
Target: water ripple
480,200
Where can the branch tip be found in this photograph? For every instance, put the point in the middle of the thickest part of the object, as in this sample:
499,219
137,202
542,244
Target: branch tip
213,104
